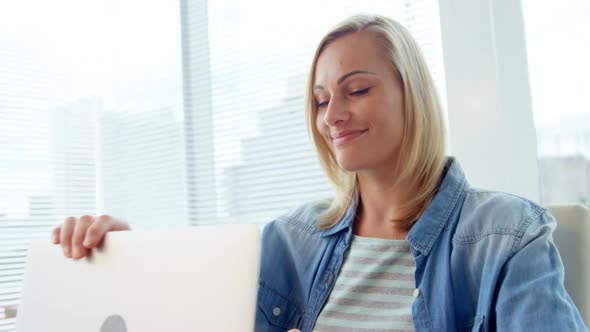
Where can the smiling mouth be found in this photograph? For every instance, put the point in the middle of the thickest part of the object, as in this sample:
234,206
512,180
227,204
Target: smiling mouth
348,137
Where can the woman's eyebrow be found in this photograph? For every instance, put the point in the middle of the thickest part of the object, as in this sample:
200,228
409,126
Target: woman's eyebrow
344,77
354,72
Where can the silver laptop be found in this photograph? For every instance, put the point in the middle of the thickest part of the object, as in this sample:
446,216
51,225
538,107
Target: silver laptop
196,279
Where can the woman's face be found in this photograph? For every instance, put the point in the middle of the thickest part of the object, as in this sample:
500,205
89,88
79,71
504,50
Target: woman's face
360,103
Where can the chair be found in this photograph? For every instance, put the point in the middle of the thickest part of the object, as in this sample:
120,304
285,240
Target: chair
572,238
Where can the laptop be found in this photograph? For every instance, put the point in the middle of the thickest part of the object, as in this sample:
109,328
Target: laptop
196,279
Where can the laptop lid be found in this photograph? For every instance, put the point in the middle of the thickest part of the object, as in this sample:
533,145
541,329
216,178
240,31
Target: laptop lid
196,279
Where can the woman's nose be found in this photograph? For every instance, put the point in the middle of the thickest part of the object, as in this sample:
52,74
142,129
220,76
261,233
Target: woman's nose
336,113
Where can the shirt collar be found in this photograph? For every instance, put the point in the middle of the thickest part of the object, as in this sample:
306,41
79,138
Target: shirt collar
344,223
434,219
438,213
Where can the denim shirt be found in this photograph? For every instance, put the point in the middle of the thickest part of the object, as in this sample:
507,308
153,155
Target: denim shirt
485,261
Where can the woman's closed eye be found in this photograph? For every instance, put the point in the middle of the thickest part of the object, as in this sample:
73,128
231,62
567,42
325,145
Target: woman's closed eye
322,104
360,92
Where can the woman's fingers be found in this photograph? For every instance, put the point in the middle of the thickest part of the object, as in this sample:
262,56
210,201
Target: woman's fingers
78,250
78,235
67,231
55,236
97,231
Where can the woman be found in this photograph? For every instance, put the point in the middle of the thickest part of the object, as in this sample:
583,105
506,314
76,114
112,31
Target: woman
405,244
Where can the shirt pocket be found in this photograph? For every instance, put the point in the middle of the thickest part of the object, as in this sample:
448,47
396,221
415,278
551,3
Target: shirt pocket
278,309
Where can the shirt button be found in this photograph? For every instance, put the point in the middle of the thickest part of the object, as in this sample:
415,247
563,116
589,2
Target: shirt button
276,311
416,293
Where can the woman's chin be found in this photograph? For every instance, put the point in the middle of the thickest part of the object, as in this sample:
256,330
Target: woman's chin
349,165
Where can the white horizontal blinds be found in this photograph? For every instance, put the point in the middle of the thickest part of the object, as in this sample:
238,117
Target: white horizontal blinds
74,159
142,165
250,157
90,121
140,126
423,21
198,118
278,168
45,169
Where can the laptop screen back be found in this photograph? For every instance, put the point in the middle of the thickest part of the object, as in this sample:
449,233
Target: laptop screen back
195,279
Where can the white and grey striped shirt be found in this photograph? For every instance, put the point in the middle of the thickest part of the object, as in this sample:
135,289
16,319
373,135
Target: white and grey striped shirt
374,289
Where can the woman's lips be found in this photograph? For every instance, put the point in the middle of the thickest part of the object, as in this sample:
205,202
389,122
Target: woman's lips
345,137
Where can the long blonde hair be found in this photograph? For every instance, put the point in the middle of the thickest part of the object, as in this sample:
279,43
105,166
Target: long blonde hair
422,154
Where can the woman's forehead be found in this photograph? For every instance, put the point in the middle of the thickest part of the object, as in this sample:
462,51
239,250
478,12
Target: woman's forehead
358,51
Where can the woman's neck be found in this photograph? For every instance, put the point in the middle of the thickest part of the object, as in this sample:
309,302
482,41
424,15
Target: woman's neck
382,205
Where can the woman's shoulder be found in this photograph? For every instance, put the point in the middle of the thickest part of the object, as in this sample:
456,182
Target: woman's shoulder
486,212
300,219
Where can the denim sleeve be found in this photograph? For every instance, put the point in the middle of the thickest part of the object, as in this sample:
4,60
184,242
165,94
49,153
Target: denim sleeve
278,305
531,294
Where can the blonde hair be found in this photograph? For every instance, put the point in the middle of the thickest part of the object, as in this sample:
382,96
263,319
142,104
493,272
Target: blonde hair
422,153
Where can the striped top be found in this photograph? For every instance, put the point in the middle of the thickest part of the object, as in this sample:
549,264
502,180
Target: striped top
374,289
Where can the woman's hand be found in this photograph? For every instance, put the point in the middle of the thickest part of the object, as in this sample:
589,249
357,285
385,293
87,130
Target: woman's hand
78,235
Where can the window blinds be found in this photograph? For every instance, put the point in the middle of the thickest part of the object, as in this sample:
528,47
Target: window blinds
249,154
195,120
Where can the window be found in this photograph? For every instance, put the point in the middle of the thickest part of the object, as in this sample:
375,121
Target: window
90,120
163,113
249,154
558,56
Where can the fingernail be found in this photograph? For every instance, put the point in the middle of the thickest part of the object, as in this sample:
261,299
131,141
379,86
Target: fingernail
87,242
67,251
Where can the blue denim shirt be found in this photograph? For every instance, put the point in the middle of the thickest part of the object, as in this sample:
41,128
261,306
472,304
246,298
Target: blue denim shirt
485,261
